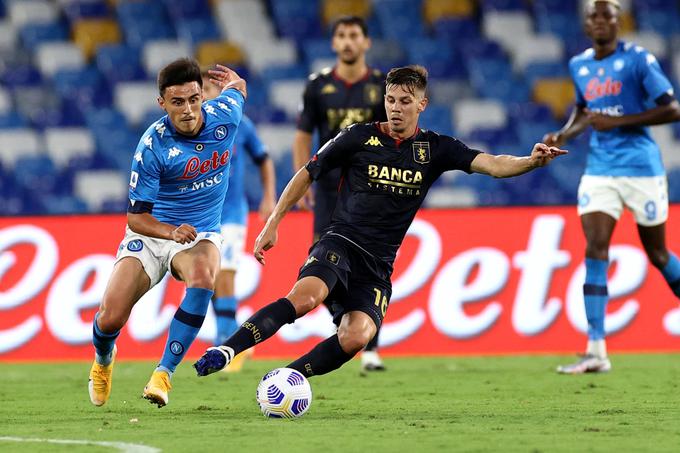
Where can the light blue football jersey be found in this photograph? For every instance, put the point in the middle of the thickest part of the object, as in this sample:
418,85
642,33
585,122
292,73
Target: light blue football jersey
235,208
625,82
186,178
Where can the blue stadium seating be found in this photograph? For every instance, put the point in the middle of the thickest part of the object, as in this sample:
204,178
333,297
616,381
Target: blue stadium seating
119,63
33,35
75,10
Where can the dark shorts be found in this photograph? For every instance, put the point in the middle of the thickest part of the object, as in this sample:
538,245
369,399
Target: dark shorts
357,281
324,204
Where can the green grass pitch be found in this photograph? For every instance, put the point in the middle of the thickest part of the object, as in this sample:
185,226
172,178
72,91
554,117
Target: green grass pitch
418,405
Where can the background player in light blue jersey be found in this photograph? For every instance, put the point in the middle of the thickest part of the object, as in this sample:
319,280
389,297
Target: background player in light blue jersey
620,91
235,218
178,182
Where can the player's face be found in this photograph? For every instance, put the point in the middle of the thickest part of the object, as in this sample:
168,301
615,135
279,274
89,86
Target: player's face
210,90
403,108
602,22
183,106
350,43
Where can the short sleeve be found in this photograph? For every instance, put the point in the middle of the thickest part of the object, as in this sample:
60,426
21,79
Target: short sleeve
456,155
335,153
580,99
652,77
146,172
227,107
307,120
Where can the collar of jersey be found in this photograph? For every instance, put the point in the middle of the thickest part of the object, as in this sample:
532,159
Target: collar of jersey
396,141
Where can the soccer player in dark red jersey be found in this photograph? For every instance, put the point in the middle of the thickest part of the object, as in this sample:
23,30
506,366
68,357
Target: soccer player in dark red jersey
350,92
387,170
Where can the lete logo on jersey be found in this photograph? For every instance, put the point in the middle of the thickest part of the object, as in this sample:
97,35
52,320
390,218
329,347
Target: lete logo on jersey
195,166
596,89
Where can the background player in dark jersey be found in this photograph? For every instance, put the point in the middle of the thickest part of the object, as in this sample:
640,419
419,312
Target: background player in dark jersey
387,170
349,93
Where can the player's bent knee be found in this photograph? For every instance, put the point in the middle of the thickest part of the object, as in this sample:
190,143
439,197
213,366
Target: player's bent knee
201,277
111,320
658,258
304,303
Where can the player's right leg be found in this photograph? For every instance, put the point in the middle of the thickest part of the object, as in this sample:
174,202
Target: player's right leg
307,294
598,228
127,284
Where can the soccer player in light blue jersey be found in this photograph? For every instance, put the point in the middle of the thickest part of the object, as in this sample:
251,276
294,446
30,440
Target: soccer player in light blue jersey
234,220
620,91
178,182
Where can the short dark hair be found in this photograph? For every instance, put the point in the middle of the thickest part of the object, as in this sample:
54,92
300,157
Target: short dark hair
179,72
350,20
413,77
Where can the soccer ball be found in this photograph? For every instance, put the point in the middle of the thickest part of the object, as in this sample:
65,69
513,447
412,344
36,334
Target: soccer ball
284,393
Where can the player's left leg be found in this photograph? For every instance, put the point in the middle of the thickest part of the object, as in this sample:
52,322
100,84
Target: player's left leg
355,331
370,359
654,241
197,267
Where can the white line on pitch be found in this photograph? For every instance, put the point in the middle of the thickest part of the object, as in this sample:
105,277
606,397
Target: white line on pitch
122,446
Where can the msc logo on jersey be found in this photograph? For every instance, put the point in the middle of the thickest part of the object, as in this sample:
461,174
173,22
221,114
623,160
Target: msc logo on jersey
220,133
421,152
135,246
333,257
373,141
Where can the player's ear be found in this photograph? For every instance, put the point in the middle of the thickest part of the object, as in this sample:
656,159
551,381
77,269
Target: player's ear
161,102
422,104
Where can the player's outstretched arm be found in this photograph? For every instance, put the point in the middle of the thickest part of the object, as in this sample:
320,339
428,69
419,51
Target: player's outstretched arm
661,114
226,78
147,225
504,166
295,189
577,123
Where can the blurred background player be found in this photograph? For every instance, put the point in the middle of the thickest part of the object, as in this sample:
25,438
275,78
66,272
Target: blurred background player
389,168
350,92
235,218
615,83
177,185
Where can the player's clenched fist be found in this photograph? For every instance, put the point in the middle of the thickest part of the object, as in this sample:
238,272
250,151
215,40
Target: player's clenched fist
184,234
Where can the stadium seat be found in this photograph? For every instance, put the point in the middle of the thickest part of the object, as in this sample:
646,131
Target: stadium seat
447,197
556,93
5,101
437,117
650,40
187,9
663,21
84,86
471,114
17,143
62,144
286,95
51,57
32,12
502,5
664,137
508,27
279,138
251,16
434,10
399,18
332,9
446,91
134,99
65,204
536,48
8,35
386,54
119,63
32,35
96,187
544,69
158,53
456,30
38,174
195,30
295,71
263,53
223,52
83,10
90,34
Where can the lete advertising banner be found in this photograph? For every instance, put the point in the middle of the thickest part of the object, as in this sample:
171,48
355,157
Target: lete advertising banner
479,281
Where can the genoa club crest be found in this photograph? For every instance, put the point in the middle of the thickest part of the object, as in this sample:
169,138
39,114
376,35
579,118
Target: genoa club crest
421,152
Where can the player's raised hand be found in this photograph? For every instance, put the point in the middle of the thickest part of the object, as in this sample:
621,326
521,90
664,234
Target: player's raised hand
265,240
542,154
226,78
184,234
